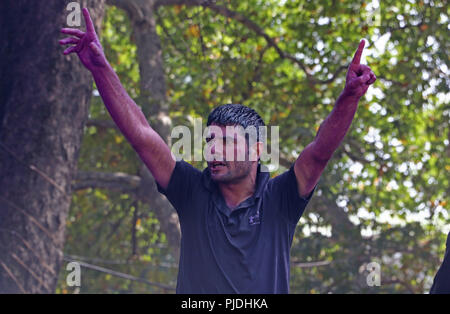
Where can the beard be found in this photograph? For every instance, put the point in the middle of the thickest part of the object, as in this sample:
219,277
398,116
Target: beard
232,172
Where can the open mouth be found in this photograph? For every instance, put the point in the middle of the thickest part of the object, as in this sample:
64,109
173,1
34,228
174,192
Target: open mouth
217,165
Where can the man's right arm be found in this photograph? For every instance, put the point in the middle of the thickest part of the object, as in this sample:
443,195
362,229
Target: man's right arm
130,119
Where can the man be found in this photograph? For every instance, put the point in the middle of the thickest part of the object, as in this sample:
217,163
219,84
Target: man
441,283
237,224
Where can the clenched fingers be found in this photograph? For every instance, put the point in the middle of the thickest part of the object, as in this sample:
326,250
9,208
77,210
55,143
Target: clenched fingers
372,79
368,78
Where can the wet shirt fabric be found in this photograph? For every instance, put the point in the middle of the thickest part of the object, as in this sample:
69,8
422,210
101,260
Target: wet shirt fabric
241,251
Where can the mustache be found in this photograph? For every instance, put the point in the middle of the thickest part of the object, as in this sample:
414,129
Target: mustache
217,163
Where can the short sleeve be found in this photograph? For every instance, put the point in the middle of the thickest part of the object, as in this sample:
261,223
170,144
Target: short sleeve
180,189
284,190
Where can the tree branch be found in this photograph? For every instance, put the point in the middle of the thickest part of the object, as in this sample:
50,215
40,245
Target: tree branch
310,264
224,11
118,181
118,274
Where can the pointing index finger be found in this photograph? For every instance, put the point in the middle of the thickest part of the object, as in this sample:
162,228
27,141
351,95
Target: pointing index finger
87,18
357,57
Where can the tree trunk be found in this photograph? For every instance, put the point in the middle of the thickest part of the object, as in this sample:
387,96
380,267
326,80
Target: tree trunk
43,110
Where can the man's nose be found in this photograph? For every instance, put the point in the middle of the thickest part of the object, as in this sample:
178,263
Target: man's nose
221,149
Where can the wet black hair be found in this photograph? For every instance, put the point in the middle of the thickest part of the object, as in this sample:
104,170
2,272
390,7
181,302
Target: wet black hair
236,114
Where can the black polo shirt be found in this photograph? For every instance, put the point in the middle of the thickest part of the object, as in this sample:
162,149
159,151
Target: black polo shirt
241,251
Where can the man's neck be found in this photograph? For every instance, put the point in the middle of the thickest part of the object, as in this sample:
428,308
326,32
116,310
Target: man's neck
236,193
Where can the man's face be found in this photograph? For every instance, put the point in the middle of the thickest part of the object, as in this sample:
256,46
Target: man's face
230,154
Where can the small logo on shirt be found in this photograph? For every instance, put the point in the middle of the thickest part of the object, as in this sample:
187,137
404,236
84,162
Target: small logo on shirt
254,220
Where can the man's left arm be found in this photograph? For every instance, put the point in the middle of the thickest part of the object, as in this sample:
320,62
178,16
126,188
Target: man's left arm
313,159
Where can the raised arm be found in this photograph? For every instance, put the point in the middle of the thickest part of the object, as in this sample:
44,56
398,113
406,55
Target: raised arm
126,114
313,159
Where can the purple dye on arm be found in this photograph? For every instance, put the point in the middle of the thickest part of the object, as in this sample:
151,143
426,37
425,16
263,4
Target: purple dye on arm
123,110
333,129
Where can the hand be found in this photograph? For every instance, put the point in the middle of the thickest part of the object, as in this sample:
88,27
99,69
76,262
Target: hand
359,76
87,45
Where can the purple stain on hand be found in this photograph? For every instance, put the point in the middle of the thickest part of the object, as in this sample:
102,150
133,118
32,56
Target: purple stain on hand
359,76
335,126
124,111
86,45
